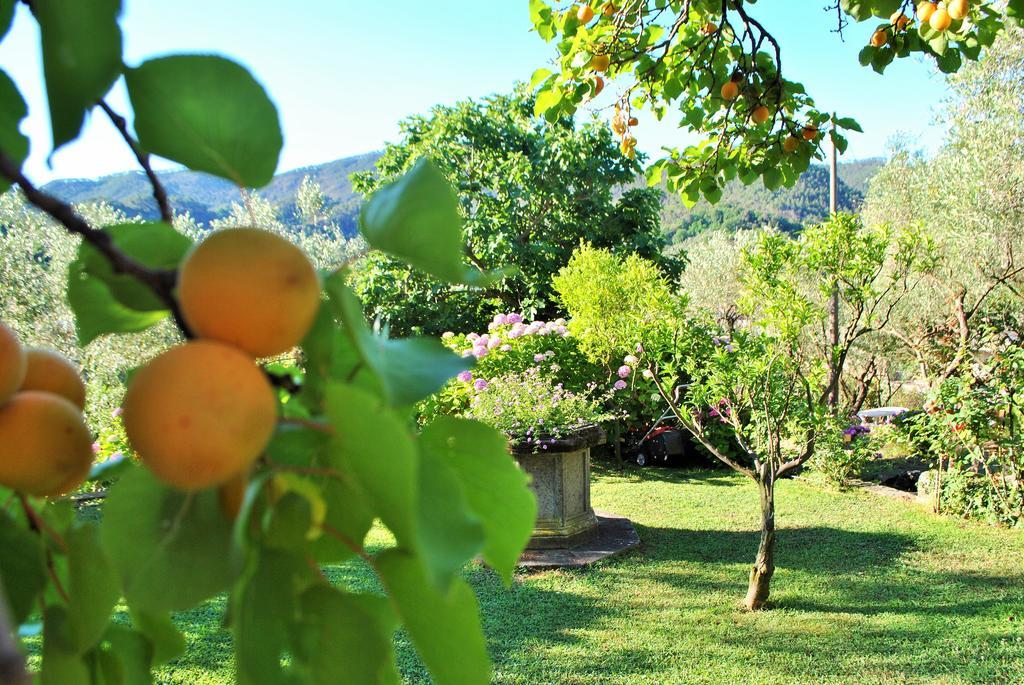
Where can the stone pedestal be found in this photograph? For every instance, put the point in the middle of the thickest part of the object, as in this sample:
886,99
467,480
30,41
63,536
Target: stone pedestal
560,478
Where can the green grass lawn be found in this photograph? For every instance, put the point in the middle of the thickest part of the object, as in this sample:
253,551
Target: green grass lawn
867,590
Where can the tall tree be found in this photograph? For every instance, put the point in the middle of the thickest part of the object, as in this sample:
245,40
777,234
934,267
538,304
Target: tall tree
529,191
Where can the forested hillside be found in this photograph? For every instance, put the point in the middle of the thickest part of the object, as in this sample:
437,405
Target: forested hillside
754,205
207,197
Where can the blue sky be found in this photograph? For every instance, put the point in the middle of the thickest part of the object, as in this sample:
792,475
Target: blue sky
343,74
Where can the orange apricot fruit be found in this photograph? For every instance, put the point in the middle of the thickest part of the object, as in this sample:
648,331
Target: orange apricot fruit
879,38
760,114
790,144
584,14
925,10
958,9
810,132
12,363
49,371
249,288
940,20
600,62
199,414
45,446
730,89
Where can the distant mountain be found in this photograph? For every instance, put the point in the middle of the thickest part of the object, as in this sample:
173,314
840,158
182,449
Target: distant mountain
208,197
754,206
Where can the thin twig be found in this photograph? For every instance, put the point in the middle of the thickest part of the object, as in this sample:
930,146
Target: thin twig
159,192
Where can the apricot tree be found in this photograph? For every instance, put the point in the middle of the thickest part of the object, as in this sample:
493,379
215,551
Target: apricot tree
250,478
715,65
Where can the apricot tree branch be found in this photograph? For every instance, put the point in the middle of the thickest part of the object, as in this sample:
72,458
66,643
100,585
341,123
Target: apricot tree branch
159,192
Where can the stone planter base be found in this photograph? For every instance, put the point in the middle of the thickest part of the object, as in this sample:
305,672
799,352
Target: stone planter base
560,478
613,535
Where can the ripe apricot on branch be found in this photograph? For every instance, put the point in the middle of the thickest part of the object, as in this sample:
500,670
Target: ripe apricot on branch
709,28
12,363
879,38
958,9
249,288
810,132
633,121
584,14
925,10
760,115
199,414
45,446
790,144
609,9
597,86
50,372
940,20
730,89
600,63
899,20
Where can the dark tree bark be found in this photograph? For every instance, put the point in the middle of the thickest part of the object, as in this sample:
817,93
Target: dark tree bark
764,565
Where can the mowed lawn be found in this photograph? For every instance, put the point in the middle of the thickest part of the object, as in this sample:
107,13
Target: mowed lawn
868,590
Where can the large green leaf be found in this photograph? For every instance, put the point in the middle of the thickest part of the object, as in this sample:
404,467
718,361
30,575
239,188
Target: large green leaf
263,608
128,657
6,16
13,109
409,369
109,302
416,218
441,624
22,567
92,586
207,113
172,549
347,638
373,445
81,58
62,663
159,630
449,533
495,488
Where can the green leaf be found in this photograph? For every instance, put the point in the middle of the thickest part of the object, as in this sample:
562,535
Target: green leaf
950,62
450,534
130,655
62,664
495,487
541,16
423,608
107,302
772,178
263,611
172,549
409,369
866,54
167,641
347,638
416,218
373,445
81,58
849,124
6,16
13,109
22,567
207,113
92,586
539,76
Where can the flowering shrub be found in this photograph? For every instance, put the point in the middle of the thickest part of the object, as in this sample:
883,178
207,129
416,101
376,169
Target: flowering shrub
511,345
529,408
842,450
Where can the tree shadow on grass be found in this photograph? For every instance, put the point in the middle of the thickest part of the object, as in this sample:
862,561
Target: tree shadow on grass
704,475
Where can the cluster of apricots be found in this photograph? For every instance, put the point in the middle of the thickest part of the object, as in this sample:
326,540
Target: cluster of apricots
199,414
622,123
45,445
938,15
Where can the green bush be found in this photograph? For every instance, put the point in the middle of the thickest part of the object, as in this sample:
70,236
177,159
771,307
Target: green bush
841,451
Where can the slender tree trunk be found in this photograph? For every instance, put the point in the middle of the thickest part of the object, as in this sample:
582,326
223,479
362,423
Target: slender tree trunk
764,565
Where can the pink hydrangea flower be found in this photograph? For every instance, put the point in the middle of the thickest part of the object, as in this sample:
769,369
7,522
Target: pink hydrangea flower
631,360
624,371
513,318
465,376
467,353
620,385
500,319
539,357
479,351
117,412
506,348
480,384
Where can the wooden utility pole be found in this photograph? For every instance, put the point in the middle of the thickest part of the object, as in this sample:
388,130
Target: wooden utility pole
833,309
